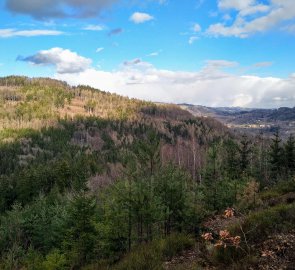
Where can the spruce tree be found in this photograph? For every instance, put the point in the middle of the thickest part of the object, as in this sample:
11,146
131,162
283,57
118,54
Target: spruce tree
245,151
289,155
276,155
147,151
80,234
231,163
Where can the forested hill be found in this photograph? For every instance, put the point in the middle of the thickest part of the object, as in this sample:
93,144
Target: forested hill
33,103
38,102
256,121
41,111
87,177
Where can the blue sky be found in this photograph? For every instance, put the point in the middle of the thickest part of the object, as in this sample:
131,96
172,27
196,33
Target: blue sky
209,52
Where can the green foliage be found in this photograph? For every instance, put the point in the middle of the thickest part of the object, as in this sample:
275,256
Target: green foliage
80,231
154,170
176,195
222,194
276,157
40,161
231,164
54,261
143,207
147,257
90,106
260,224
280,189
33,260
245,151
39,225
289,153
151,256
175,244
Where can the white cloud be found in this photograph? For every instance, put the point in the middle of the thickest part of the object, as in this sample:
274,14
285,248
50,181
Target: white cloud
192,40
93,27
197,28
213,85
226,17
99,50
289,28
153,54
263,64
65,61
235,4
252,17
242,100
217,64
210,86
220,89
7,33
139,17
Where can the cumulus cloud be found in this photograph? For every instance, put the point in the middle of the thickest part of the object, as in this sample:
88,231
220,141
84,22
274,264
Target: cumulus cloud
200,87
252,17
92,27
139,17
7,33
235,4
212,85
65,61
46,9
289,28
209,86
197,27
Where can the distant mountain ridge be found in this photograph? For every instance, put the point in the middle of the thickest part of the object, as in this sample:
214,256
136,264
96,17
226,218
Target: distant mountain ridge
254,120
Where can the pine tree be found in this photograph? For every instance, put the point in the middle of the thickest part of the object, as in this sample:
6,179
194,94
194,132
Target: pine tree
231,163
276,155
147,152
289,155
172,188
244,151
80,234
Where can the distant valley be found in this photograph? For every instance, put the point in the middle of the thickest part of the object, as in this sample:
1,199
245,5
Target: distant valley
255,121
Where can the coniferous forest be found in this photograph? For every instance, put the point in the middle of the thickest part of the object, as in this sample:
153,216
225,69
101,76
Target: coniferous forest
94,180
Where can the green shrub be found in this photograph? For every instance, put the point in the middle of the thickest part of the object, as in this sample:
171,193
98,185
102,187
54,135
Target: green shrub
151,256
261,224
55,261
281,188
226,255
102,264
257,226
12,258
269,194
145,257
33,260
175,244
